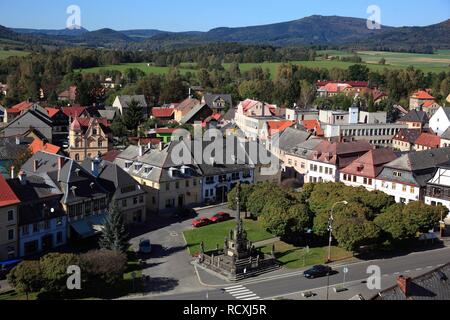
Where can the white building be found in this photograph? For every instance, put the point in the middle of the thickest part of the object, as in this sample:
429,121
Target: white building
438,188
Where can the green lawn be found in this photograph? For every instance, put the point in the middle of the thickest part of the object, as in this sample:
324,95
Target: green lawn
4,54
216,233
295,258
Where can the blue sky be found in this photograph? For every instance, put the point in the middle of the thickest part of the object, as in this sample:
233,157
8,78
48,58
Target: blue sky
202,15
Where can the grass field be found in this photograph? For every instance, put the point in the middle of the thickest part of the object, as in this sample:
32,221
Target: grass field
142,66
216,233
296,258
4,54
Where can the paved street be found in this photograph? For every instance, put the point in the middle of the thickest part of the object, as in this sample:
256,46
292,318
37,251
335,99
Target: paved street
169,265
290,286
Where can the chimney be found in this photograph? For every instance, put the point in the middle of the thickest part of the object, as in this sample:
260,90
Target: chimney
95,164
141,150
13,173
35,165
22,178
404,284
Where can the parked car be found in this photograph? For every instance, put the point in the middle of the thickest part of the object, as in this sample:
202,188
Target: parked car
201,222
145,246
220,217
317,272
6,267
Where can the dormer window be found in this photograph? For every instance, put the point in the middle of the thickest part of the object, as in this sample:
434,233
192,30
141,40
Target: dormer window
397,174
147,170
138,166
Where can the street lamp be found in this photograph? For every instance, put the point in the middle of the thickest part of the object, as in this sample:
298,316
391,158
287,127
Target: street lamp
330,227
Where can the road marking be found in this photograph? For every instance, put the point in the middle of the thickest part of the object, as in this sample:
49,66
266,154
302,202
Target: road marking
407,271
241,293
419,269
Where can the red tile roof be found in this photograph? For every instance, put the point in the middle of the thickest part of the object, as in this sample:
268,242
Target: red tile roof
111,155
7,195
18,108
422,95
370,164
74,111
278,126
313,125
428,140
354,84
52,112
70,94
187,105
163,112
38,145
165,130
428,103
335,87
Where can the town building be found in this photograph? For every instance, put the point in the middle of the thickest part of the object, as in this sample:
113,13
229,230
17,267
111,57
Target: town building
12,148
184,107
8,221
427,141
198,113
405,139
168,185
283,142
445,139
418,98
296,160
438,187
89,137
69,95
41,217
363,171
328,159
415,119
406,177
298,114
84,201
123,190
35,118
218,103
122,103
163,115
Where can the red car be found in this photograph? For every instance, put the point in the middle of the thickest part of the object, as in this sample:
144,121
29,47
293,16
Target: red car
220,217
201,222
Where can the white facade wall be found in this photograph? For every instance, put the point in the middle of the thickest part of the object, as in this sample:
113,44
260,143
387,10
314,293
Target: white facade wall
439,122
321,172
402,193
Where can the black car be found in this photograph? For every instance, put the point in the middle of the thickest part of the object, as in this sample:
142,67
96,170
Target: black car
317,272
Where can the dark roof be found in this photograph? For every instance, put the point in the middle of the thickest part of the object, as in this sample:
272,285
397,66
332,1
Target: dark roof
9,149
111,177
230,114
415,116
446,134
434,285
290,138
126,100
211,98
408,135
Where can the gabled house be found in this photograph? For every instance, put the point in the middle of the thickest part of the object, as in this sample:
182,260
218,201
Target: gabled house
125,191
17,110
296,159
41,217
39,145
8,221
406,177
69,95
184,107
218,103
122,103
84,200
415,119
272,128
30,119
405,139
364,170
75,112
199,113
163,115
427,141
284,141
89,137
418,98
445,139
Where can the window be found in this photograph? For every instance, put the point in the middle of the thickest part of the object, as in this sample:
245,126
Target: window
135,201
397,174
25,230
206,193
177,185
141,199
412,189
167,186
404,188
11,215
88,207
170,203
354,178
94,132
11,234
35,227
47,225
77,157
153,200
394,186
124,203
187,184
194,182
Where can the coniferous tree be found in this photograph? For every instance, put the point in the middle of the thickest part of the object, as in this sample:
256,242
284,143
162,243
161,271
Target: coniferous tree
114,236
